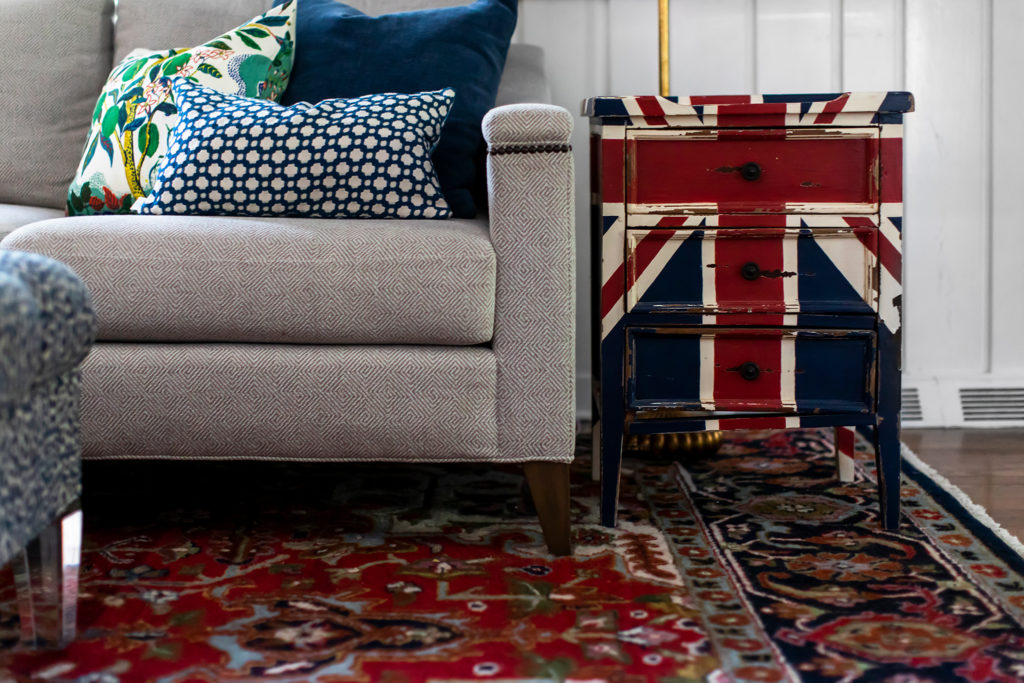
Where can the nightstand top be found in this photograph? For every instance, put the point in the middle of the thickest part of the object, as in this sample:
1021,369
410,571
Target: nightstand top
808,109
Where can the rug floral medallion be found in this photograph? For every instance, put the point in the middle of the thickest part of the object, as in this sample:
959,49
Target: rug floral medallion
751,565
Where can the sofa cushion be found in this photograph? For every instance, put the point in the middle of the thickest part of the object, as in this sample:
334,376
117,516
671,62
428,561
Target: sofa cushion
136,111
365,157
56,55
345,53
286,280
290,402
159,24
13,216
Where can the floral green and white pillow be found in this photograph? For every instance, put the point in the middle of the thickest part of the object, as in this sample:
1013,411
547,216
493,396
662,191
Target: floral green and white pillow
136,110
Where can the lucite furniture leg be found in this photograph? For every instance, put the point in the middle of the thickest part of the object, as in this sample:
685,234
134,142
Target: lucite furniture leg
46,578
845,442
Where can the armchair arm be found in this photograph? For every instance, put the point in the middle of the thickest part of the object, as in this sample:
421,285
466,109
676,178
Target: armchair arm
66,324
531,191
19,328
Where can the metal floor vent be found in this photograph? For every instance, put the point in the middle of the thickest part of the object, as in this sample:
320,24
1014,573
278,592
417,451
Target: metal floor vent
986,404
911,409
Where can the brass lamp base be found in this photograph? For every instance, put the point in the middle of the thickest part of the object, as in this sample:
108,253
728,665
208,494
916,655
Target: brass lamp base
686,443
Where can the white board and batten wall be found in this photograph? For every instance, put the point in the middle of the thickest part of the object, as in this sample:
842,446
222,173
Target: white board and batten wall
964,152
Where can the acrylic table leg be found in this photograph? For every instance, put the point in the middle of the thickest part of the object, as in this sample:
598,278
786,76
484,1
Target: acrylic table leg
46,576
845,442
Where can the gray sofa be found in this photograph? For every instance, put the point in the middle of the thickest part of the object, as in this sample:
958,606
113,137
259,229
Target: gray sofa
304,339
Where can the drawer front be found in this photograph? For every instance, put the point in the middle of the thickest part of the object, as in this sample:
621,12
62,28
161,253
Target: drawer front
797,170
736,369
783,270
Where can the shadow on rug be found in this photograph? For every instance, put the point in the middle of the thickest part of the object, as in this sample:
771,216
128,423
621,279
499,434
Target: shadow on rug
753,565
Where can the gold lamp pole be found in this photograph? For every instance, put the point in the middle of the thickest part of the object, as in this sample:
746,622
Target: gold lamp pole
663,86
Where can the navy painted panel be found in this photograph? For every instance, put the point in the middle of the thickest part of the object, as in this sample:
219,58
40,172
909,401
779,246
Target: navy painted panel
663,365
834,374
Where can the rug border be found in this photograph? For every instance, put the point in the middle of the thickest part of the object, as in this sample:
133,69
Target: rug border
952,497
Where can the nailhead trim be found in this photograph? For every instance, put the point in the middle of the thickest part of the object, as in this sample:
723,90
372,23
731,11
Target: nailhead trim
529,149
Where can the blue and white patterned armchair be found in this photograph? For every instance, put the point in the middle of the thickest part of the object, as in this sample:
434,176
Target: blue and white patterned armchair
47,327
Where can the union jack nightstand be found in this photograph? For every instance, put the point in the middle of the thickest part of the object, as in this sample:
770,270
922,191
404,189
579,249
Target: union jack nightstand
746,258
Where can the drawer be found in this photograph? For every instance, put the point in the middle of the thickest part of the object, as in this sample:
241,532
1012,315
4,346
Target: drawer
783,170
763,270
761,369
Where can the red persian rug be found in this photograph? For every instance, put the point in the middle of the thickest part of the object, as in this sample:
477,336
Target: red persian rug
752,565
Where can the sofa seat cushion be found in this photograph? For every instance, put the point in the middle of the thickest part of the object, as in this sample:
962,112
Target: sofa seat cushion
13,216
278,280
302,402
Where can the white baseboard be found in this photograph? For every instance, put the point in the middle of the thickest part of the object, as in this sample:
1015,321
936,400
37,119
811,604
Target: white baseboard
965,401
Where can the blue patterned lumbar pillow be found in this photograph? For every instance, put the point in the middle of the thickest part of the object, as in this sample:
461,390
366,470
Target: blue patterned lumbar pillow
366,157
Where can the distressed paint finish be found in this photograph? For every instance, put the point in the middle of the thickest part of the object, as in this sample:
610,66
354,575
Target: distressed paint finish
750,369
766,270
748,303
799,170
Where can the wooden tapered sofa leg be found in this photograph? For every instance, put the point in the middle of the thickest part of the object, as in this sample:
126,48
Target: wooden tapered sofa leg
549,486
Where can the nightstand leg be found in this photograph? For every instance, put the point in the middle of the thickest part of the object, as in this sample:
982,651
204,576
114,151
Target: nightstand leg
595,454
888,460
888,456
845,442
612,422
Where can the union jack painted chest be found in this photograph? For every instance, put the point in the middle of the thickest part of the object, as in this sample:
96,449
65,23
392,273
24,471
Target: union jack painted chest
746,258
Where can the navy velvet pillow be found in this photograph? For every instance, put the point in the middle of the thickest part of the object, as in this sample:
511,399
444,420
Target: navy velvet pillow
341,52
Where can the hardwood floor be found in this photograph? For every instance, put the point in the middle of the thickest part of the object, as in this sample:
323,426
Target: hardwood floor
988,464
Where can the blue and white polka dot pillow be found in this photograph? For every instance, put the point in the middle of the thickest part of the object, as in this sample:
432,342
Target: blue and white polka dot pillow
366,157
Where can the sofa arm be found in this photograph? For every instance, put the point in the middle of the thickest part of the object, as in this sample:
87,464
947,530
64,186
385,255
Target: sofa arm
66,321
530,187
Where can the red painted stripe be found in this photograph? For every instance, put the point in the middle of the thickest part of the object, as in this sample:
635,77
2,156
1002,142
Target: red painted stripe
833,107
770,114
613,171
752,423
649,105
731,391
752,135
890,258
755,221
732,291
869,238
892,170
656,121
644,252
720,99
845,441
613,290
859,221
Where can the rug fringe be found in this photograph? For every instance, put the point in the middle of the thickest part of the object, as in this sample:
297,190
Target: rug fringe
978,511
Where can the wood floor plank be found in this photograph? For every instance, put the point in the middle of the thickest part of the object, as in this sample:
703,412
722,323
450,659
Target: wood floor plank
988,464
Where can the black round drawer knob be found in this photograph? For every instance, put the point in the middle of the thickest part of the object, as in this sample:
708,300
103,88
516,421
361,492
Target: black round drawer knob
749,371
750,171
750,271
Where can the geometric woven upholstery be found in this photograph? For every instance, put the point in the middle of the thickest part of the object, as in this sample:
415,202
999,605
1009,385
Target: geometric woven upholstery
531,195
290,402
278,280
46,328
